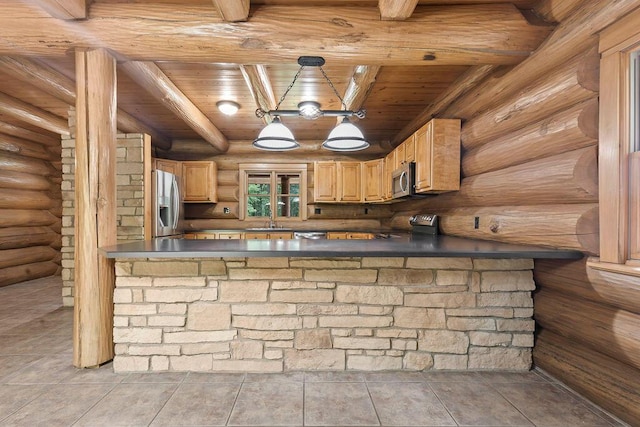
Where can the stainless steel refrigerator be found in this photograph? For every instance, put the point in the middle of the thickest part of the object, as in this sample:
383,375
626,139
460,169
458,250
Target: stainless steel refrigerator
167,204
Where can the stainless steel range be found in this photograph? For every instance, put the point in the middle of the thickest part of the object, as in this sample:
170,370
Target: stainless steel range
424,224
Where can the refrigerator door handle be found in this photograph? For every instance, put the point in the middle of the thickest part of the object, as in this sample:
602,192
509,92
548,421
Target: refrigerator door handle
175,193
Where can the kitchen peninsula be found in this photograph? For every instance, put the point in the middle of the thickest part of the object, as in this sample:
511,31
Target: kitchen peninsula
428,302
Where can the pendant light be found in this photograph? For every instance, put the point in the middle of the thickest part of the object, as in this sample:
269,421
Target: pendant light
276,137
344,137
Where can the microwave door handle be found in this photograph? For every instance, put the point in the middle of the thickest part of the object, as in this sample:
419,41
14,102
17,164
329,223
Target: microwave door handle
403,177
176,203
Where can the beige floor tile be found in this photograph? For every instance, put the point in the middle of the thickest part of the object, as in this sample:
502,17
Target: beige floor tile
46,370
128,405
276,377
156,377
477,404
204,404
9,365
512,377
395,376
268,404
334,376
549,405
14,397
59,405
212,377
408,404
338,404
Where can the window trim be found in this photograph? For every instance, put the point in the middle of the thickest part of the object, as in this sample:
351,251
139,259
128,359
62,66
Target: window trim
246,168
617,43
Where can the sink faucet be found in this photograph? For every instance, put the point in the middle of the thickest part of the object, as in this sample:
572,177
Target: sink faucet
272,223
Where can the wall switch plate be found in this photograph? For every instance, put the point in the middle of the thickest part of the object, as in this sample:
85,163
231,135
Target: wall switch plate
226,210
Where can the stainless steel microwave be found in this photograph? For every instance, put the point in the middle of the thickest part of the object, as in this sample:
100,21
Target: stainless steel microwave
403,181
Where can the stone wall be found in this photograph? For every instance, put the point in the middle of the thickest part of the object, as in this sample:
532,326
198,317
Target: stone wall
287,314
130,203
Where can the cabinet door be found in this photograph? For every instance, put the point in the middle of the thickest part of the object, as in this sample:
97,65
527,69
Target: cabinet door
410,149
336,235
388,171
256,236
200,181
373,180
324,181
170,166
438,156
190,236
281,236
350,181
400,155
364,236
230,235
424,157
210,236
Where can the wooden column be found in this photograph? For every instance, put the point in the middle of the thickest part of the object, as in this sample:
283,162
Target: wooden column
95,210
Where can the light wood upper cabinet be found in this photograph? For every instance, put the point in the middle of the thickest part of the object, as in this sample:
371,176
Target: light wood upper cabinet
388,171
374,178
350,181
200,181
437,150
410,149
325,179
171,166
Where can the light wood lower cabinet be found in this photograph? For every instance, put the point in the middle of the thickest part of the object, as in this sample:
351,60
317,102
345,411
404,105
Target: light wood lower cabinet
284,235
344,235
223,235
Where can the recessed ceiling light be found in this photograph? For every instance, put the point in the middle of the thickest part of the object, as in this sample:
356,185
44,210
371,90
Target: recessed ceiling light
228,107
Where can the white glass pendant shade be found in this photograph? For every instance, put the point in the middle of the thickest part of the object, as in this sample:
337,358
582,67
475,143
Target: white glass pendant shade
345,137
275,137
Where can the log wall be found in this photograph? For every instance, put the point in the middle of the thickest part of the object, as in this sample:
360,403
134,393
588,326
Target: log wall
30,208
529,175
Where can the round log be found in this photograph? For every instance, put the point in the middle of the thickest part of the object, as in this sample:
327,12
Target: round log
21,237
21,273
22,199
228,193
575,278
228,177
611,384
570,84
24,148
569,130
571,226
23,181
19,163
50,139
605,329
24,217
20,256
570,177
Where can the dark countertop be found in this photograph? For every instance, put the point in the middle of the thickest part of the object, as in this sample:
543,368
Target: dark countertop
406,246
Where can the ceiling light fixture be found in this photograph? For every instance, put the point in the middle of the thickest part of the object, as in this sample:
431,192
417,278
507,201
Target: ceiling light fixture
228,107
344,137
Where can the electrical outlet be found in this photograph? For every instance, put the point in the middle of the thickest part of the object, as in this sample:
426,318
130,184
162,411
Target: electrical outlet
476,223
317,211
226,210
366,211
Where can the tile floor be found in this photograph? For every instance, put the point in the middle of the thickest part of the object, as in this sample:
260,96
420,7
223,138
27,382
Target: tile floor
39,387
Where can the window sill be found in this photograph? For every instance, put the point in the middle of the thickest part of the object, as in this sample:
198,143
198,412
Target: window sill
626,269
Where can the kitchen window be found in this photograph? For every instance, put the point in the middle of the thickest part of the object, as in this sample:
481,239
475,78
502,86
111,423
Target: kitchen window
619,148
273,192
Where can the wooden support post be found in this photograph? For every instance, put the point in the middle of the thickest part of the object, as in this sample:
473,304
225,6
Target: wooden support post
95,213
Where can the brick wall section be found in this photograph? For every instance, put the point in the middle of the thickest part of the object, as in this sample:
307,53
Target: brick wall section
290,314
130,203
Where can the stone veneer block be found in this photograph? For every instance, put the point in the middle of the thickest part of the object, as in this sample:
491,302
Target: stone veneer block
268,262
502,264
318,359
246,350
264,273
443,342
213,268
374,363
243,291
266,309
349,343
209,316
495,281
419,318
192,282
302,295
267,323
375,262
324,263
354,321
499,358
165,269
440,263
350,276
451,300
400,276
309,339
416,361
359,294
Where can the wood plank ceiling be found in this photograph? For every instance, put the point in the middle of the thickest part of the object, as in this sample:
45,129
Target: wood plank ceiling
409,51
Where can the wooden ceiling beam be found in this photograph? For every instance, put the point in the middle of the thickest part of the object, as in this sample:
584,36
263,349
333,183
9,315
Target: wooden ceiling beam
435,35
62,87
64,9
396,10
464,83
32,115
257,80
151,78
360,85
233,10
